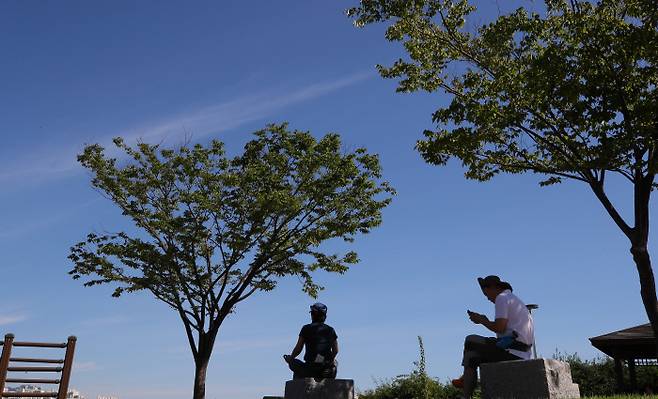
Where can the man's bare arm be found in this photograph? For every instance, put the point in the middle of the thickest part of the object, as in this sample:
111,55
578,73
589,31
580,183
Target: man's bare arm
498,326
298,348
334,349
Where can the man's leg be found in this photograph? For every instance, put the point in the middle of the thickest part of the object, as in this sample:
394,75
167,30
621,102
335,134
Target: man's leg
298,368
330,370
470,381
473,348
334,369
478,350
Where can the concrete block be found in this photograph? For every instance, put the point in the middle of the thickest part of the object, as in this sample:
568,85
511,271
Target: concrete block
328,388
527,379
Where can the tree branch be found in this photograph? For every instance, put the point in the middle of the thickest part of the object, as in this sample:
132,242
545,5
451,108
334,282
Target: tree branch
188,332
610,208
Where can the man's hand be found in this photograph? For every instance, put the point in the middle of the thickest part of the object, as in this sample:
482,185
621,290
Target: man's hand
477,318
287,358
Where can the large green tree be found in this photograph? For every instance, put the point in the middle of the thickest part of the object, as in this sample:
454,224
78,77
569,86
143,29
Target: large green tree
212,230
568,92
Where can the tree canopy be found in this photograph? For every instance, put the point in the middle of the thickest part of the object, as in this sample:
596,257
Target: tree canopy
569,94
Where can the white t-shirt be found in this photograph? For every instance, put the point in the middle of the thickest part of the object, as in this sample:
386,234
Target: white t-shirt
510,307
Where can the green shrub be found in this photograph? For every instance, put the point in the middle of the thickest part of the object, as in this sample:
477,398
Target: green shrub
416,385
596,377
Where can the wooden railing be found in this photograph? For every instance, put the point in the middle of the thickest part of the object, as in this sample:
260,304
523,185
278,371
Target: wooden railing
64,370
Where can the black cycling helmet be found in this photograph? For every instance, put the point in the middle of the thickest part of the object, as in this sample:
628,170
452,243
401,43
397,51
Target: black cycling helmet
319,308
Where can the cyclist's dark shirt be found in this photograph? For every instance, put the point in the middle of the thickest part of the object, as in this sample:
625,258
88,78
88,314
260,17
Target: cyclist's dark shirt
318,339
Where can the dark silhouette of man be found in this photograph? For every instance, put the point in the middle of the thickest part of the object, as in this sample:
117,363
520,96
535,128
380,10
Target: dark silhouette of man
320,344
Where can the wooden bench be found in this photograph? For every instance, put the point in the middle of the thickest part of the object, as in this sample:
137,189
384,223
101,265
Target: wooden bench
37,365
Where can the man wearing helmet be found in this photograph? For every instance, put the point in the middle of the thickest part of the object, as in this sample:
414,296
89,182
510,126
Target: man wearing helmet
320,344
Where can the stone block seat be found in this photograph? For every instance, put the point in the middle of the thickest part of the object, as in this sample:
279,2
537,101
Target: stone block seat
328,388
527,379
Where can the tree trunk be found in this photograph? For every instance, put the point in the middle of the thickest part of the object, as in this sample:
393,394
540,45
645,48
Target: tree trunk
201,365
639,242
206,342
647,285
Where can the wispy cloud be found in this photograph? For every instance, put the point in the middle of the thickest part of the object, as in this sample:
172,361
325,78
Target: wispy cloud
148,392
242,344
209,120
228,115
236,345
105,321
27,225
12,319
252,390
85,366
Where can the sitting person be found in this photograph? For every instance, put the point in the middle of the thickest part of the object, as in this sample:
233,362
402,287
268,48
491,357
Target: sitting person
514,330
321,347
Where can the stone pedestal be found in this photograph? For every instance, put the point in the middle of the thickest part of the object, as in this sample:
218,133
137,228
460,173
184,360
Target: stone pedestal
327,388
528,379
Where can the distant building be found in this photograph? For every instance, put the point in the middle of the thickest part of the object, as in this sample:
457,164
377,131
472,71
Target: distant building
25,388
72,394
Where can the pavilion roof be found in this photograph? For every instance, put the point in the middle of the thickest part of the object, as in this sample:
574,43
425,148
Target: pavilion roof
636,342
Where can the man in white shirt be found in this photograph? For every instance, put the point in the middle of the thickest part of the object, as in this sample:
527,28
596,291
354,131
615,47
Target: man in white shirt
513,327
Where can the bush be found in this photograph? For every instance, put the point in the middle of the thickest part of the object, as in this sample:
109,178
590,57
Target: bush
416,385
596,377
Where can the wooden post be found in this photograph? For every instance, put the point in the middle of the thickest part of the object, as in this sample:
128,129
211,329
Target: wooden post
66,372
632,374
4,360
619,375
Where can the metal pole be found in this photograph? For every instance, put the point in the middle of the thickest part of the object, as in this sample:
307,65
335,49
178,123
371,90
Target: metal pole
532,307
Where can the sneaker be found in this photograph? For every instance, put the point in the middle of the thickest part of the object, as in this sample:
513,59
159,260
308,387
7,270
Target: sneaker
458,382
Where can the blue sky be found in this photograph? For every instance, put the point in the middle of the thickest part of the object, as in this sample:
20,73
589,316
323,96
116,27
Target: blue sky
79,72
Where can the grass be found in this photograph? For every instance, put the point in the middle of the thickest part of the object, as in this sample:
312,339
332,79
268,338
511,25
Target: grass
621,397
